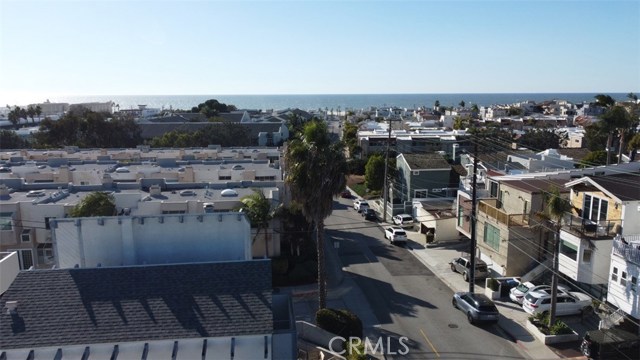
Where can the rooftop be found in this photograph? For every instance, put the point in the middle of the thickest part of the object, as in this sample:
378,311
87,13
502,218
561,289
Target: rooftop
125,304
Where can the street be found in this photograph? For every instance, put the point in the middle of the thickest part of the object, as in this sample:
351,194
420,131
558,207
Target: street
407,299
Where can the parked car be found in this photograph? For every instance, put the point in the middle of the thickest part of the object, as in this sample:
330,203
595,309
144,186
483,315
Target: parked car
4,169
360,205
568,303
395,235
463,265
518,293
403,219
187,193
122,169
477,307
36,193
346,194
610,344
369,214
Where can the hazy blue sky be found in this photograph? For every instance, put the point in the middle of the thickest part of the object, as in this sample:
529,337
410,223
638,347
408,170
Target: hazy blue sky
53,47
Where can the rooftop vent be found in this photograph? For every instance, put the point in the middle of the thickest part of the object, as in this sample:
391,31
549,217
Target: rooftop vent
12,307
229,192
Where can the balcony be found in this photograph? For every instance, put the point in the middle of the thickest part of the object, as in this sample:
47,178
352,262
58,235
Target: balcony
585,228
491,209
629,249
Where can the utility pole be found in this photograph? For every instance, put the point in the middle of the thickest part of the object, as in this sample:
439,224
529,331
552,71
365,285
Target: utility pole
472,251
386,186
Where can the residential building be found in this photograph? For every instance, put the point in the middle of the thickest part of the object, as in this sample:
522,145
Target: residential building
103,107
183,311
604,207
623,290
436,218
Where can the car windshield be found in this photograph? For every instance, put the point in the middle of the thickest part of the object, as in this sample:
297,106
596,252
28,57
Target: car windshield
522,288
400,232
531,298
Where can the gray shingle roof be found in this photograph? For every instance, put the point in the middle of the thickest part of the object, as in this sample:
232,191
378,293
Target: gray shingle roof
121,304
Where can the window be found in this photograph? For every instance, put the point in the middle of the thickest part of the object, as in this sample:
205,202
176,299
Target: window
569,250
169,212
45,254
586,255
6,221
47,225
595,209
492,236
460,215
25,258
614,274
493,188
623,278
634,283
25,236
224,177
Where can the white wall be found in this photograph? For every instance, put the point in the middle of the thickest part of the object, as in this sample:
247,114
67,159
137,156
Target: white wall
630,216
151,240
594,272
622,296
9,269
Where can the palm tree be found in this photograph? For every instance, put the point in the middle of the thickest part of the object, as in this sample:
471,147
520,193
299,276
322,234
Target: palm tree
556,208
260,212
31,111
38,110
315,171
617,118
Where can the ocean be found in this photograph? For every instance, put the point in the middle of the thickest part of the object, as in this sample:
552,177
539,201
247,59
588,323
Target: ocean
329,101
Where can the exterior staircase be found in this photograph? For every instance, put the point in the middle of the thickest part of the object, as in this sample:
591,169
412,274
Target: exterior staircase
537,271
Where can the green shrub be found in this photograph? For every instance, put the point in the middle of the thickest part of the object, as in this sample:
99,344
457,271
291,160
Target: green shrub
340,322
560,328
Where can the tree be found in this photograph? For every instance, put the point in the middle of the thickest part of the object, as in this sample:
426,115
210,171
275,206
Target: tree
260,212
462,104
460,123
552,215
31,111
95,204
542,139
633,145
605,100
616,118
316,171
594,158
38,110
9,140
14,117
632,96
374,172
436,105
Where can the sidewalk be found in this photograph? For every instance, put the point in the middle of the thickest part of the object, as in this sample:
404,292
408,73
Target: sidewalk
513,319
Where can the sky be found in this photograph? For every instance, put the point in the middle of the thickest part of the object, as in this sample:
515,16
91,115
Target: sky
51,48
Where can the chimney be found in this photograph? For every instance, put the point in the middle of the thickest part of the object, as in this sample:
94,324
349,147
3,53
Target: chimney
4,190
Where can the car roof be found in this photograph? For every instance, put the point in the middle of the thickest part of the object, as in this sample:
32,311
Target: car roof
478,261
480,299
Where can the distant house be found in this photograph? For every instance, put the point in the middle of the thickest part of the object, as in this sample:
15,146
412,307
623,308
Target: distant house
186,311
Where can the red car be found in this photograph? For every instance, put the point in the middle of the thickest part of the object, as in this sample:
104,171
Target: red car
346,194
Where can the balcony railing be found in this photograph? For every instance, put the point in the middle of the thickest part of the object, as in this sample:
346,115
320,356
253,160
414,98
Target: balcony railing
629,248
591,229
490,208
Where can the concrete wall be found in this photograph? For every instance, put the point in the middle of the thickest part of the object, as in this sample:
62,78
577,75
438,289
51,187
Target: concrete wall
594,272
622,296
9,269
116,241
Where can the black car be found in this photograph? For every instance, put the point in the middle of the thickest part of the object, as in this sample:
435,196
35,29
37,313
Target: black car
369,214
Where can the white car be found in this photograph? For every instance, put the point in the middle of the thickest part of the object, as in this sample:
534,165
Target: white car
518,293
122,169
395,235
402,219
568,303
360,205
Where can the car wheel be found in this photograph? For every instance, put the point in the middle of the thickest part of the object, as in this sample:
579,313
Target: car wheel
454,303
453,268
465,276
470,318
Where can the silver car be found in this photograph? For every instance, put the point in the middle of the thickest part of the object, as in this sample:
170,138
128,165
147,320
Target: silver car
463,265
477,307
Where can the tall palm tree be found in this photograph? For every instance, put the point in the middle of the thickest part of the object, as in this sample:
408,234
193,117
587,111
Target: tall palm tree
38,110
260,212
555,210
315,171
615,119
31,111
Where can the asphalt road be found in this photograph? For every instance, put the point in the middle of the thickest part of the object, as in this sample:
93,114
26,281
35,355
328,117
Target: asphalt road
413,307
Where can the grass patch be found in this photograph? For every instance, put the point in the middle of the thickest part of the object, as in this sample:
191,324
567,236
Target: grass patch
360,189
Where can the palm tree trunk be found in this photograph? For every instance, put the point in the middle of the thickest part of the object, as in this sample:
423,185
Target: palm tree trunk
621,145
609,141
322,276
